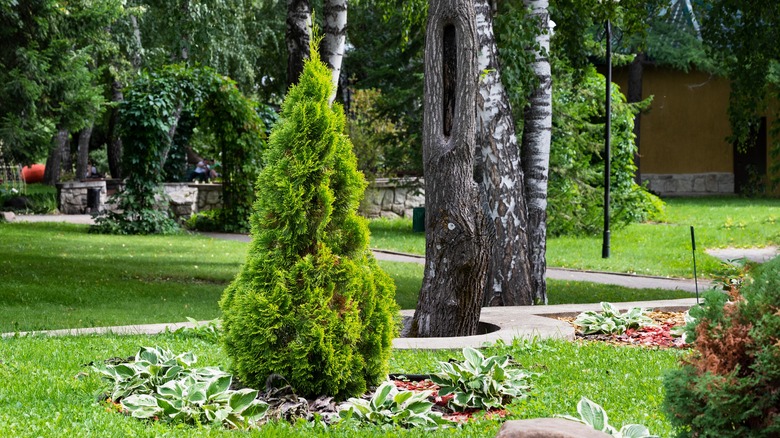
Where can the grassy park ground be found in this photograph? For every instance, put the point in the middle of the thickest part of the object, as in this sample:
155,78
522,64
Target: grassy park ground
660,248
49,392
59,276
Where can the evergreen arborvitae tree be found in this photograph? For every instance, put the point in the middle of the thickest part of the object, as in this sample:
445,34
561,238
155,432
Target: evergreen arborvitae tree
310,303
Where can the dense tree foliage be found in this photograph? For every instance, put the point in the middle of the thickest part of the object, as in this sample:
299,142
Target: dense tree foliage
151,120
577,162
48,79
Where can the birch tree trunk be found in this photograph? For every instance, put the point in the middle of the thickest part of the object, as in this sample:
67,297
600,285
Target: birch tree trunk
536,152
334,39
500,175
297,36
457,249
83,152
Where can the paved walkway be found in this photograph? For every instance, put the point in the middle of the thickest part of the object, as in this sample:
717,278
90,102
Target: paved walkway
512,322
528,322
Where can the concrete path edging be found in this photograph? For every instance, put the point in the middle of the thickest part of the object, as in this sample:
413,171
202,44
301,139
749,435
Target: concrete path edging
524,322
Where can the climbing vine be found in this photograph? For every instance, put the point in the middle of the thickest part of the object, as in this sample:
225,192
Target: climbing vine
158,115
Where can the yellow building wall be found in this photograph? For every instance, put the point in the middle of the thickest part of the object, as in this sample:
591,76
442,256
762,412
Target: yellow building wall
685,129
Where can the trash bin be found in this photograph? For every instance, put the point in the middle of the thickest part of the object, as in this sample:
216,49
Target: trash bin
93,199
418,219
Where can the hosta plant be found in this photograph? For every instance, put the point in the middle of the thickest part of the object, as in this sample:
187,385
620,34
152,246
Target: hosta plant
595,416
611,321
390,407
196,401
479,382
155,383
149,368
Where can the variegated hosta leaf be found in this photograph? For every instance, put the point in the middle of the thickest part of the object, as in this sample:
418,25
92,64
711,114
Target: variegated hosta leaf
592,414
160,384
481,382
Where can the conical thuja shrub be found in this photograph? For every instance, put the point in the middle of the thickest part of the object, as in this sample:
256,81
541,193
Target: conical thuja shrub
310,302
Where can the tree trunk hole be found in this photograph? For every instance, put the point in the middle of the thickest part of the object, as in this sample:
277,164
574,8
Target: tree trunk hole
449,76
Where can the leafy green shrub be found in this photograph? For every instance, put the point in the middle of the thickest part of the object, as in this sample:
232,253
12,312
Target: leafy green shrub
38,198
479,382
595,416
310,303
390,407
177,100
730,385
157,384
208,220
576,185
610,320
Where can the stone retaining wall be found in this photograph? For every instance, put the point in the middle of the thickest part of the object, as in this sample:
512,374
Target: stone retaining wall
385,197
72,196
209,196
393,198
183,199
690,184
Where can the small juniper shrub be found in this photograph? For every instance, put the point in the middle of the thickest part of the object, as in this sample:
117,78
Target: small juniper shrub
310,303
730,385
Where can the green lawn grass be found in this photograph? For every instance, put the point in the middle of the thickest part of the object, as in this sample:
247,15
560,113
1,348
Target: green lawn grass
60,398
649,248
59,276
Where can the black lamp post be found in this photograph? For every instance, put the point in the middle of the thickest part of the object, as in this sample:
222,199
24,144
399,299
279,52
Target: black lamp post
607,148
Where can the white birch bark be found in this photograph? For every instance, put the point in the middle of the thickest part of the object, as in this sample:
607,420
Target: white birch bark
297,37
500,175
334,39
536,151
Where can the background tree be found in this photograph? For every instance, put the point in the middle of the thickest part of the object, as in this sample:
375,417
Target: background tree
297,36
49,90
742,37
388,39
334,31
537,130
501,176
155,104
310,303
457,249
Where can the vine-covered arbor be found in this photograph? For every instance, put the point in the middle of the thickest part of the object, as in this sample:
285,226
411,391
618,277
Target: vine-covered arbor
158,116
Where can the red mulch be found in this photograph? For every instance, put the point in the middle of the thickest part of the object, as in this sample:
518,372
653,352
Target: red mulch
658,337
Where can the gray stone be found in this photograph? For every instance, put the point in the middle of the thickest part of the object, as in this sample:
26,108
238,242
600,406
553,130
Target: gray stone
699,185
726,183
548,428
7,216
711,183
388,215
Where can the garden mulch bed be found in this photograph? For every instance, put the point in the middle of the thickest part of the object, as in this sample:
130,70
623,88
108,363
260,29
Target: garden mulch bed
441,402
659,336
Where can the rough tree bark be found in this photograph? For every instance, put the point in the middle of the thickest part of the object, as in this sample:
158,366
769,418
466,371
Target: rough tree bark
500,175
114,151
53,163
297,36
114,147
536,151
83,152
457,249
334,39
